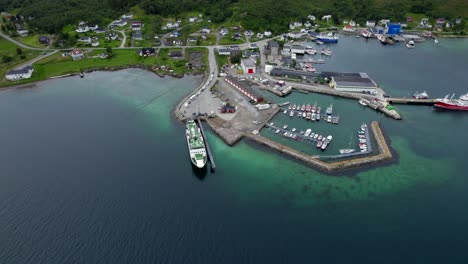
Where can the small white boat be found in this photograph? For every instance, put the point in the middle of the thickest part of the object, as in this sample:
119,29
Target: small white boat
329,119
362,102
304,114
316,136
307,132
346,151
312,135
277,131
436,41
285,127
285,111
294,129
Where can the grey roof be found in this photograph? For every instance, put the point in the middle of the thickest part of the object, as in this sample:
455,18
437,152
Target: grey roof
20,71
248,63
333,74
273,44
137,34
234,47
297,47
224,50
292,73
353,81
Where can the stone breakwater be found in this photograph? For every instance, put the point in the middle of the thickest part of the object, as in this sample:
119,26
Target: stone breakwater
384,154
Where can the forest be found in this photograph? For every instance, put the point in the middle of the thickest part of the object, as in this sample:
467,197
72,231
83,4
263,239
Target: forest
52,15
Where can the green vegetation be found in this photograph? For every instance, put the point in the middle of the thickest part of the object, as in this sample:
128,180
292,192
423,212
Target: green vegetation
31,40
230,40
221,60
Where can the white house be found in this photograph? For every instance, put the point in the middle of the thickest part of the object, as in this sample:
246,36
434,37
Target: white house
307,24
370,23
311,17
352,23
127,16
224,32
297,49
77,54
24,73
85,40
23,32
192,19
267,34
248,33
82,29
95,44
259,35
205,30
95,27
424,22
327,17
119,23
248,66
291,26
297,24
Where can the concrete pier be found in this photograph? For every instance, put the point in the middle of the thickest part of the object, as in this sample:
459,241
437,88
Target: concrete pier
208,149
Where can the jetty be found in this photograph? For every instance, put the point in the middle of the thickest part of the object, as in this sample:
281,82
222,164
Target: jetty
208,149
411,101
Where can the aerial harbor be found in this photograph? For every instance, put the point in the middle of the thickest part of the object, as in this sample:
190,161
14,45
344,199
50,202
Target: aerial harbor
233,131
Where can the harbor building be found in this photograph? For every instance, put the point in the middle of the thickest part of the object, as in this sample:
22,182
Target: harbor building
248,66
352,83
245,87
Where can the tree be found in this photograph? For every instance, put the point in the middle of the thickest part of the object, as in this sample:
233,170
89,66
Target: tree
6,59
109,50
19,51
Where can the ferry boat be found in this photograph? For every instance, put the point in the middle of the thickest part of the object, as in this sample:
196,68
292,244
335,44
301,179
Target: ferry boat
422,95
308,108
196,145
460,104
328,38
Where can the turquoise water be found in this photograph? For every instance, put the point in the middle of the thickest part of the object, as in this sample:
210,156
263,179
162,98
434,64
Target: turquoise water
96,170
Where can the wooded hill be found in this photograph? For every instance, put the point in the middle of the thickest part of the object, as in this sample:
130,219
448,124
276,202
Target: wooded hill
52,15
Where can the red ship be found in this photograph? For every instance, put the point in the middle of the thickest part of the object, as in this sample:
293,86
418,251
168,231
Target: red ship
460,104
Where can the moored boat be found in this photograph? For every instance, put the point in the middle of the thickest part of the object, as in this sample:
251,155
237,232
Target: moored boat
196,144
422,95
308,108
329,110
362,102
346,151
328,38
460,104
303,107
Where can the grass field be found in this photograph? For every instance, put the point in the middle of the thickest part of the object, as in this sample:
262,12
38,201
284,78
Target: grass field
31,40
210,40
220,60
228,40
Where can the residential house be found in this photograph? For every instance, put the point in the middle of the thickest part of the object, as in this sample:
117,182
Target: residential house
311,17
224,52
24,73
297,24
99,31
119,23
370,23
307,24
259,35
136,25
137,35
23,32
77,54
326,17
234,47
273,46
192,40
267,34
424,22
192,19
253,46
82,29
296,35
224,32
286,62
205,30
93,28
95,44
145,52
291,26
248,33
249,53
127,17
352,23
44,40
237,35
85,40
175,54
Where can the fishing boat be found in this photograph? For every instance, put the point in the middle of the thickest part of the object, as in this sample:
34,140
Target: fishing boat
326,52
309,115
320,137
316,136
313,117
291,114
302,132
319,144
317,117
366,34
335,119
304,114
303,107
294,107
277,131
324,145
294,129
318,110
196,144
422,95
314,108
363,127
319,42
328,38
329,110
312,135
362,102
310,51
460,104
299,114
308,108
329,119
307,132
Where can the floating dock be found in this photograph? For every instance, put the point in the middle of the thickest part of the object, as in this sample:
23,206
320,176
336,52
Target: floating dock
208,149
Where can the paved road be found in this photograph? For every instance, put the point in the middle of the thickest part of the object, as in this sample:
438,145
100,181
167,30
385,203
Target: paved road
30,62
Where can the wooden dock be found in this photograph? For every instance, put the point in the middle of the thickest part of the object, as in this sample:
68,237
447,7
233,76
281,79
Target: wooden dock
208,149
411,101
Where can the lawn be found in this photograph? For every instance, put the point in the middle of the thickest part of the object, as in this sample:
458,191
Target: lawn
56,65
163,59
221,60
31,40
210,40
230,41
9,49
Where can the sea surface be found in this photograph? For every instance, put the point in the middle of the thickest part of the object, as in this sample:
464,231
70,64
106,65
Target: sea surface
96,170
